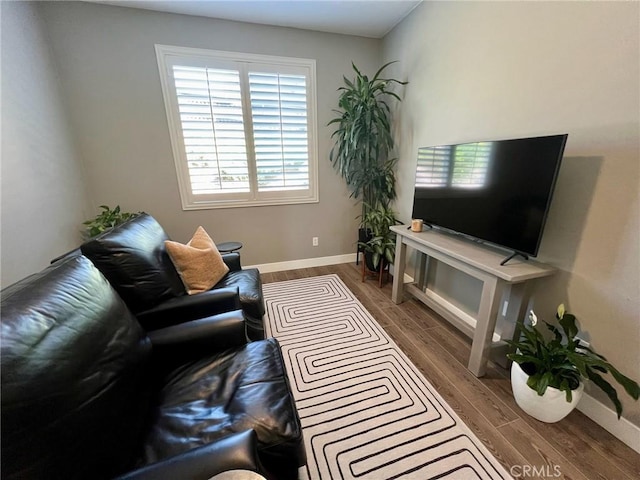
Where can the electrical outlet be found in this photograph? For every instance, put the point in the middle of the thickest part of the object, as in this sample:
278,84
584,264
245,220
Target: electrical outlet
314,241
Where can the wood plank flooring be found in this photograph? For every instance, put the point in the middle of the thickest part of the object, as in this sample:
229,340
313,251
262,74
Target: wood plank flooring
575,448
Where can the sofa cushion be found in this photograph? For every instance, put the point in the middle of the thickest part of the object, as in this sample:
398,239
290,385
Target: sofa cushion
133,258
74,365
198,263
232,391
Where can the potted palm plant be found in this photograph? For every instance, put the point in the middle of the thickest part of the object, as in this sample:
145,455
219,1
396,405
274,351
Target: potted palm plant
547,375
363,141
380,246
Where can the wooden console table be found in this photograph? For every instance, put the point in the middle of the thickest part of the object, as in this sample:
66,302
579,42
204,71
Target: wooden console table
478,261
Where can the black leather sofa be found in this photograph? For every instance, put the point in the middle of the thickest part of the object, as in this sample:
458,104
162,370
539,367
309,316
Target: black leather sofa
133,258
87,393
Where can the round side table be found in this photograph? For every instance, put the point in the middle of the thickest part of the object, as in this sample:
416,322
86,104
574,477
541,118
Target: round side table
238,475
229,247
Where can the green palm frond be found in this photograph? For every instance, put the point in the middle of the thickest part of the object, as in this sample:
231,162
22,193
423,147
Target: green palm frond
363,137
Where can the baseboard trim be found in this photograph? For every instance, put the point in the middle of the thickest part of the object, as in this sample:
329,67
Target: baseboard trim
625,431
304,263
622,429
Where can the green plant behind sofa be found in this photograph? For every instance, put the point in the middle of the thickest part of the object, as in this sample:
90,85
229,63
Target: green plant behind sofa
105,220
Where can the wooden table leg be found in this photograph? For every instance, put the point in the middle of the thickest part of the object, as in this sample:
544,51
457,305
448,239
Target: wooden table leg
486,323
421,269
397,290
519,294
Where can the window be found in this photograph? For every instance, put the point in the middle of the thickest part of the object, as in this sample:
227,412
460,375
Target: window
462,166
243,127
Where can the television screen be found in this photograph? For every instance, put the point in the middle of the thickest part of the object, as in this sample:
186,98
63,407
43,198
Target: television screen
495,191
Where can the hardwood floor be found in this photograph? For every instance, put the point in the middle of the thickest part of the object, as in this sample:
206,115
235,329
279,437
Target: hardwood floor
575,448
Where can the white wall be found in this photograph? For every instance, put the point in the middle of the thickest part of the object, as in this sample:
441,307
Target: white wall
106,58
491,70
43,197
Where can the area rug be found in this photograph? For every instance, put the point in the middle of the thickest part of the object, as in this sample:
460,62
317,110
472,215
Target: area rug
366,410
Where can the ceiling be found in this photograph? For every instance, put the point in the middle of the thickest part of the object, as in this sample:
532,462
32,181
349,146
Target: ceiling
367,18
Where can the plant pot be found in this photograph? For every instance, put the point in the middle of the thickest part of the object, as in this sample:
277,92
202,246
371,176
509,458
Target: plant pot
379,271
551,407
364,235
368,261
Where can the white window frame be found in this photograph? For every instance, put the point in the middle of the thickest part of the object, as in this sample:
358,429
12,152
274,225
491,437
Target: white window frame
168,56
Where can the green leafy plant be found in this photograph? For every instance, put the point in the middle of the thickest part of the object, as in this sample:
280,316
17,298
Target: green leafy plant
563,361
382,243
363,138
105,220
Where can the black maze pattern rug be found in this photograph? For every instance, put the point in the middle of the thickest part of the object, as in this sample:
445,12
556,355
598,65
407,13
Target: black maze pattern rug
366,411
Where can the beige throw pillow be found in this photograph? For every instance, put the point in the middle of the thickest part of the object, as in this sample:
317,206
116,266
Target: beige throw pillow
199,263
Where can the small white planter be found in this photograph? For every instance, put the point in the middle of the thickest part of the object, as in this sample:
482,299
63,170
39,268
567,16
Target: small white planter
551,407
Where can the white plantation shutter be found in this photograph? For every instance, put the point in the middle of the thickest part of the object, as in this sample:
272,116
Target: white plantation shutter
213,129
279,114
242,127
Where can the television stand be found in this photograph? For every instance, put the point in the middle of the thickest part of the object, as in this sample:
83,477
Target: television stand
514,255
478,261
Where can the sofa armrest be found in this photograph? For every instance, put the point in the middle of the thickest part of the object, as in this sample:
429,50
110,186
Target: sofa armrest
205,335
237,451
190,307
232,261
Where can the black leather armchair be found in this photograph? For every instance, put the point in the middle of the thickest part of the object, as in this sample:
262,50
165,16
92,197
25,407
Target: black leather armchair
87,393
133,258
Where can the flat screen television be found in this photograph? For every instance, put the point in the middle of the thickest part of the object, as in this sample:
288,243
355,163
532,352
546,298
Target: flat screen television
498,192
